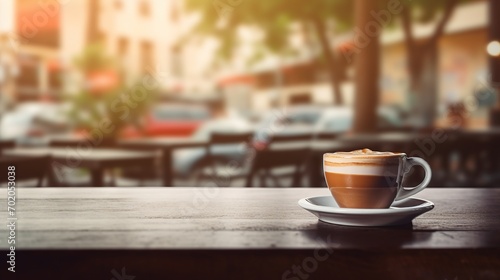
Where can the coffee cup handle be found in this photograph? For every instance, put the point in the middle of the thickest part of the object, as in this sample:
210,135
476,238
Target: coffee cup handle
410,162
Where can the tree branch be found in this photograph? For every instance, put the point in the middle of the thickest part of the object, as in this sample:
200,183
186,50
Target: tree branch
448,11
330,58
325,44
413,53
407,28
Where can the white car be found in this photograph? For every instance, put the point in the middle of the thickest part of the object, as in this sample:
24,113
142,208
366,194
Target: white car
340,119
316,120
30,122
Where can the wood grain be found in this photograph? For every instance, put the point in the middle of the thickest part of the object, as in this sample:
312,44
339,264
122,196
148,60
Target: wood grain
236,233
199,218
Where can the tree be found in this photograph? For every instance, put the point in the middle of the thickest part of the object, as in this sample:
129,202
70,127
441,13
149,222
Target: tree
367,71
275,19
103,109
422,54
422,60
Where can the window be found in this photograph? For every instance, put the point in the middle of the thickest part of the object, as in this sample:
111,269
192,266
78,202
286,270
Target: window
144,8
174,13
147,59
123,46
118,5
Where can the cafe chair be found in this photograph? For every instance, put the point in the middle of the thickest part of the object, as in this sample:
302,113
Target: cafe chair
226,158
290,171
280,160
26,168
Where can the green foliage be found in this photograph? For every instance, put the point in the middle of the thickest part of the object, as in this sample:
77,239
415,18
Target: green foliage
93,58
221,20
428,10
120,106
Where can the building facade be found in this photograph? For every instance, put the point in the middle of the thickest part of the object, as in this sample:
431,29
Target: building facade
143,35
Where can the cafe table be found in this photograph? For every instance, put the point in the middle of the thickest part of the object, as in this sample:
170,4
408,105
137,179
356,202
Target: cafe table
244,233
167,145
6,144
94,159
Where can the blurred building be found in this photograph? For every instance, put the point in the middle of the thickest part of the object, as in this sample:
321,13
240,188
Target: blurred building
463,60
8,64
144,35
42,39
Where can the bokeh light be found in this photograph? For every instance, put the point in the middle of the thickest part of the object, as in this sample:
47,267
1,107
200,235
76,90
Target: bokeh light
493,48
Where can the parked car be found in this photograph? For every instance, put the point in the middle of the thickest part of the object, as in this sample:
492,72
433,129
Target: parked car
316,120
169,120
337,120
30,123
288,121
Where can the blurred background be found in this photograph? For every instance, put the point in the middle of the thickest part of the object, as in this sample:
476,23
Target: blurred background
418,76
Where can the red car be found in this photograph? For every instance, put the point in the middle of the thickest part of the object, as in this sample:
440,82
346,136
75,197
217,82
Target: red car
169,120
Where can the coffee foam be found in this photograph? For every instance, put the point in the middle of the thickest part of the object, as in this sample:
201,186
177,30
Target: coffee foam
372,170
364,153
362,162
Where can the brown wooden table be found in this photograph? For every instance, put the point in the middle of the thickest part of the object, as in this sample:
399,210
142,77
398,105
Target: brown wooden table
6,144
96,160
238,233
167,146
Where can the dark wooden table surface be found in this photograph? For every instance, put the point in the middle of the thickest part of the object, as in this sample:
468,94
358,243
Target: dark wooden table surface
96,160
237,233
167,145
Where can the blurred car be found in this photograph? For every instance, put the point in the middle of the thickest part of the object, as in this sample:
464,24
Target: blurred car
315,120
288,121
188,162
169,120
30,123
338,120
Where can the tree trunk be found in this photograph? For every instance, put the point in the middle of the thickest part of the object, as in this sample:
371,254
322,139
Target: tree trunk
367,72
424,84
423,66
330,61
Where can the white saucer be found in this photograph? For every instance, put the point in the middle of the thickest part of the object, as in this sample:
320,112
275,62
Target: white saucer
400,212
